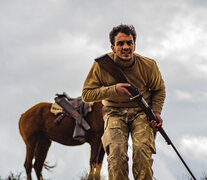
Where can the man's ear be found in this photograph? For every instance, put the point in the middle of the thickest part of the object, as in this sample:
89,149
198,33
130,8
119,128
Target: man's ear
112,48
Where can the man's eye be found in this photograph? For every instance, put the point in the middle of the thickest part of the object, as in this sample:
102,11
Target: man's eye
129,43
120,43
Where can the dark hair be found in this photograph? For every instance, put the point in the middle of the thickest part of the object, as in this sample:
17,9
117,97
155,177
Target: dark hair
123,29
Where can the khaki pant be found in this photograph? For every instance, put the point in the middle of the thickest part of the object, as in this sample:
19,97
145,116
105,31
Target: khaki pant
119,123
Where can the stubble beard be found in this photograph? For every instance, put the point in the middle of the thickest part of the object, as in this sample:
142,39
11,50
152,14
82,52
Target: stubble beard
124,62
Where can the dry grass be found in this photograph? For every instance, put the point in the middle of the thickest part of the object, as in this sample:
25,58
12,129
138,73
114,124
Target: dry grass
12,176
85,176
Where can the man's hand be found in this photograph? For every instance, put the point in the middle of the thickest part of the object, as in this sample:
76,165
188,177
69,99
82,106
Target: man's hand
121,89
154,124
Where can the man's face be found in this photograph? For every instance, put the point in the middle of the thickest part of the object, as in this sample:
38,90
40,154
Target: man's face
124,47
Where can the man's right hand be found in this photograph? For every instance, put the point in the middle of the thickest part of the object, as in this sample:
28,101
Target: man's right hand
121,89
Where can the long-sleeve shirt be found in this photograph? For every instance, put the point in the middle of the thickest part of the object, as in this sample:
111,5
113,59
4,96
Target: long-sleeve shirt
144,75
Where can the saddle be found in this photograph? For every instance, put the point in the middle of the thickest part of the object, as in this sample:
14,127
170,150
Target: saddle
75,108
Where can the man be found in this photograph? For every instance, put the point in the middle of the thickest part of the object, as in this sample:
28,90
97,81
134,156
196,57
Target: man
124,117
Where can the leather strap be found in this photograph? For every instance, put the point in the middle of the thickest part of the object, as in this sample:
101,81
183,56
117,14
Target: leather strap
115,71
112,68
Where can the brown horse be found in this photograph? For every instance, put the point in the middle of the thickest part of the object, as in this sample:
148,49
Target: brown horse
38,130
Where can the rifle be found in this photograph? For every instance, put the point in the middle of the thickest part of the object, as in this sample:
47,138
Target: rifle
112,68
138,97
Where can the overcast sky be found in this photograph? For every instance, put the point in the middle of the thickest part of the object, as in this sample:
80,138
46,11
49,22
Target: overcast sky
48,47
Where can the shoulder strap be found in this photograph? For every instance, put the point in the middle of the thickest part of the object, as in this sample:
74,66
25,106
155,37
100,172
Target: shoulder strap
111,67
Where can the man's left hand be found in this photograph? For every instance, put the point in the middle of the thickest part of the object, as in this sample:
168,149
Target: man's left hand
154,124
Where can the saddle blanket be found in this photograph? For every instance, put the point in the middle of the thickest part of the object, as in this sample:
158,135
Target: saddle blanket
56,109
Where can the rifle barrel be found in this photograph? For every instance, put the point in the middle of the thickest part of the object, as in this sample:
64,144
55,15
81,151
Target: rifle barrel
138,97
183,161
169,142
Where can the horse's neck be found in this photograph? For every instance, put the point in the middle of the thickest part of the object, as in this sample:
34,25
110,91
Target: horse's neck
98,106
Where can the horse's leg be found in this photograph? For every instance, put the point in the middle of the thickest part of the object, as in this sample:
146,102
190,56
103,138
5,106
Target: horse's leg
40,155
95,165
29,156
99,159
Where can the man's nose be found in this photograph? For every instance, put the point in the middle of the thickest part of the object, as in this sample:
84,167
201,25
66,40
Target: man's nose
125,46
